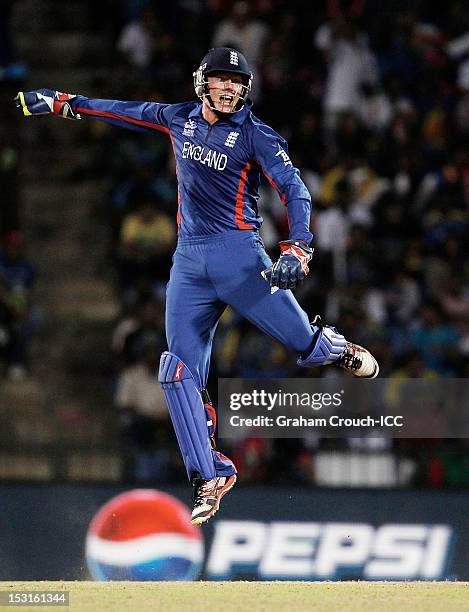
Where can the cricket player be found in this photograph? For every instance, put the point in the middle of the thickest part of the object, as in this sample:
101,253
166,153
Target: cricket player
221,150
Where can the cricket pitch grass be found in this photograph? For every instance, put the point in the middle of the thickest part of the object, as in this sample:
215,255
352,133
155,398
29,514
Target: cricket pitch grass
252,596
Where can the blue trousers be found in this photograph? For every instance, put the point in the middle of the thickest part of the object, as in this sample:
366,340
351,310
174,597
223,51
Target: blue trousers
212,272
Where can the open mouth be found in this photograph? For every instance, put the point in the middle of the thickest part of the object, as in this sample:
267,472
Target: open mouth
226,99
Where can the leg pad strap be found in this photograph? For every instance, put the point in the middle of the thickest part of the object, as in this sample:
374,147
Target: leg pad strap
328,348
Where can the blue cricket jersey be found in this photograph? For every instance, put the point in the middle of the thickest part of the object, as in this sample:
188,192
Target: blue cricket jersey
218,166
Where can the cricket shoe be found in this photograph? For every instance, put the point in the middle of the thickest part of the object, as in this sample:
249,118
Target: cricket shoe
359,361
207,496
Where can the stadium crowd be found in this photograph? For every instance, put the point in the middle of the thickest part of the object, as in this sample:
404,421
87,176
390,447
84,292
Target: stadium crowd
374,102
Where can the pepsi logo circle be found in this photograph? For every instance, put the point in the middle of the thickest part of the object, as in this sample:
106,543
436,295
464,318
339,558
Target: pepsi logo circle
144,534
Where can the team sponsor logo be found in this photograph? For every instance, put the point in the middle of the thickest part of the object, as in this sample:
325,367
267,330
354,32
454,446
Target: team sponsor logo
234,59
189,128
329,551
204,155
144,535
231,139
284,155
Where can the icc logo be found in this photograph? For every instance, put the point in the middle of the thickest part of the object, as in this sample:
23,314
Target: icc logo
144,535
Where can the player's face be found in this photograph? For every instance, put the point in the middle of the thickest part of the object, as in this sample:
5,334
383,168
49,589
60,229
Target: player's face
225,90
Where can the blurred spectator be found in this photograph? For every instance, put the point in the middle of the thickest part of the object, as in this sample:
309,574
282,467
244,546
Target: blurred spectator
144,418
146,245
403,297
260,356
137,39
393,229
351,64
140,394
361,253
411,366
374,108
226,343
455,299
19,276
366,303
436,339
241,31
144,326
252,458
443,263
307,144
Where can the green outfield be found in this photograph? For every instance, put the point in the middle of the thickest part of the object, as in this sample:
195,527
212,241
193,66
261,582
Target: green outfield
227,596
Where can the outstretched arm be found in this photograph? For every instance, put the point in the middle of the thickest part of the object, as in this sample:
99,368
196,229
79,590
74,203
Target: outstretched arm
139,116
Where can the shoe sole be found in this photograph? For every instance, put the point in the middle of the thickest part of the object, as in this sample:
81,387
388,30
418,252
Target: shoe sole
198,520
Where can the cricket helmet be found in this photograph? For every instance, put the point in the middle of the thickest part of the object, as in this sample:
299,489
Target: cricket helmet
223,59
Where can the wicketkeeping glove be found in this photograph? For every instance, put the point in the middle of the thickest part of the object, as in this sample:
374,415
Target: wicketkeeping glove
292,266
42,102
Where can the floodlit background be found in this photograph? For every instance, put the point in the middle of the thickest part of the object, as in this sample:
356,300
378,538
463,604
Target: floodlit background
374,102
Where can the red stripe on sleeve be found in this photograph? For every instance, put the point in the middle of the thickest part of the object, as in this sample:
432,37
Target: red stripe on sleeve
283,197
148,124
239,214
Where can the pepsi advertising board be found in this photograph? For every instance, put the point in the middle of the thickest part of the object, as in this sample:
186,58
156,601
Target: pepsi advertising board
329,551
53,532
144,535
